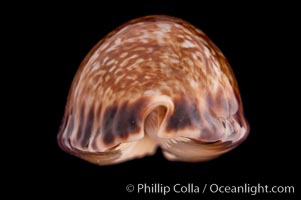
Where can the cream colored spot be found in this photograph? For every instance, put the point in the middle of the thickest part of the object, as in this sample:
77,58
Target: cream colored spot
152,92
162,65
112,68
118,70
186,31
105,45
133,56
123,54
117,79
118,41
193,84
187,44
131,77
207,52
144,37
111,62
216,68
95,66
149,49
108,92
130,40
100,72
178,26
116,44
140,60
200,32
94,57
164,27
107,78
105,59
124,62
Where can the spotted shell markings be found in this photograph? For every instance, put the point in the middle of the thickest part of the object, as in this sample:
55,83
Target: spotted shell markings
156,81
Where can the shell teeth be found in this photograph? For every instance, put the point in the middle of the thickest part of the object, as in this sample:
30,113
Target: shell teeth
174,141
167,144
177,140
183,139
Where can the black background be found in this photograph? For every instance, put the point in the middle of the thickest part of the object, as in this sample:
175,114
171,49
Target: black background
257,40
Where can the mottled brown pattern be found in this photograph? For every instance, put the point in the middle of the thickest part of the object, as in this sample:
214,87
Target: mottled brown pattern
155,81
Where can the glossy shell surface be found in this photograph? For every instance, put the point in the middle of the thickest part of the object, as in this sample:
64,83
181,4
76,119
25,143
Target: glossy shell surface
156,81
